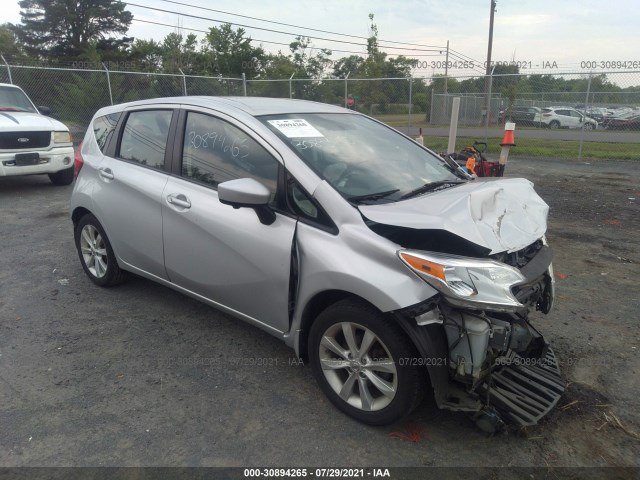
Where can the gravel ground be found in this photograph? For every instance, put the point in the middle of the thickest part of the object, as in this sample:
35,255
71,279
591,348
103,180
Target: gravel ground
140,375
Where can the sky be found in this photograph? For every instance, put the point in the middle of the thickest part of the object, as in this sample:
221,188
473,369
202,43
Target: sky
545,36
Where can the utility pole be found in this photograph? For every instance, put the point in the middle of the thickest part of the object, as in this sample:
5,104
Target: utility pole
487,83
493,10
446,70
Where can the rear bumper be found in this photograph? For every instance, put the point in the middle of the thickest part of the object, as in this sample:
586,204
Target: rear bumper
51,161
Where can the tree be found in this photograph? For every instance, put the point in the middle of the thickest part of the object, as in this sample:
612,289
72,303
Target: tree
9,48
350,65
179,53
66,28
307,64
229,52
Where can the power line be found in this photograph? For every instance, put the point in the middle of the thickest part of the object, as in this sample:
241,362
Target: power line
255,39
272,30
297,26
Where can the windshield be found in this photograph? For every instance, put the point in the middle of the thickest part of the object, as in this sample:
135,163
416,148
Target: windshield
14,100
361,158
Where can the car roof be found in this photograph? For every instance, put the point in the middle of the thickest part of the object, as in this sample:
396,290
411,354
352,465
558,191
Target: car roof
254,106
10,85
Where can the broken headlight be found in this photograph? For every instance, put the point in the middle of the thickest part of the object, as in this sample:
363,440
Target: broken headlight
469,282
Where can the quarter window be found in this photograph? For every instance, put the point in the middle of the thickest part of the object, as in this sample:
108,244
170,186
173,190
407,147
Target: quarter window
103,128
144,139
215,151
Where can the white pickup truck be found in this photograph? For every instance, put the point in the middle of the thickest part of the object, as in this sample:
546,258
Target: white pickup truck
32,143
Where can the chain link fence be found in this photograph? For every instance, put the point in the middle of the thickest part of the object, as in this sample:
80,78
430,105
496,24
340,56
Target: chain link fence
594,113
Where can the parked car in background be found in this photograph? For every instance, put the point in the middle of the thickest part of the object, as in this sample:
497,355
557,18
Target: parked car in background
385,265
524,115
630,121
30,142
564,117
599,114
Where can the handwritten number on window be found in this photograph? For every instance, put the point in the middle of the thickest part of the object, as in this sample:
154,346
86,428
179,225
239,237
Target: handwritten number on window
211,140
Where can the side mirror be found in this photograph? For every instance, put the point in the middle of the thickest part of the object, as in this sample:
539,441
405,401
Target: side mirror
44,111
247,193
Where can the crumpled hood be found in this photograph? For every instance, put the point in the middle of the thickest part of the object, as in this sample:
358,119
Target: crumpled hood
28,122
501,215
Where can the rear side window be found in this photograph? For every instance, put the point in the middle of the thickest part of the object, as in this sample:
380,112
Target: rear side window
216,151
103,128
144,139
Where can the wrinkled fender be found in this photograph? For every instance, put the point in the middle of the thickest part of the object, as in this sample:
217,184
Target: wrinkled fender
355,261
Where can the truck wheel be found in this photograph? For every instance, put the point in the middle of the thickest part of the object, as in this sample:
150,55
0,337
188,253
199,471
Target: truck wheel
63,177
365,364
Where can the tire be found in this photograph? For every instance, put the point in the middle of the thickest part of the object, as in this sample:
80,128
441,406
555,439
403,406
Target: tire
377,384
588,126
96,255
554,125
63,177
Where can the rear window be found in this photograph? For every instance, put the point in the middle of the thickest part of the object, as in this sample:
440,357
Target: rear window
103,128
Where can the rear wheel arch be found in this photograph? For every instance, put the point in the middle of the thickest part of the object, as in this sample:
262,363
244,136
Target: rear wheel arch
77,214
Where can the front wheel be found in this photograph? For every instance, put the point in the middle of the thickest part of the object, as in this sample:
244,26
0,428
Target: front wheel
588,126
95,252
365,364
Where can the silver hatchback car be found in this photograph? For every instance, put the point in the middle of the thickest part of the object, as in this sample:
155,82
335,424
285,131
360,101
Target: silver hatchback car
386,266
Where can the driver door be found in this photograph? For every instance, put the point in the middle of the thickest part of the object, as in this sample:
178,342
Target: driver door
216,251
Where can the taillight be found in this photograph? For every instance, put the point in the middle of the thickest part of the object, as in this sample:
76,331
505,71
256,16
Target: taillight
546,114
78,161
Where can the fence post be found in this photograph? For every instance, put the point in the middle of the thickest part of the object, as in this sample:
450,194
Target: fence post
244,84
108,82
346,91
184,82
586,102
431,109
290,89
410,91
8,69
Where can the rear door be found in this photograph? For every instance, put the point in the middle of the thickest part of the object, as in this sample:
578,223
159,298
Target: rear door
221,253
132,176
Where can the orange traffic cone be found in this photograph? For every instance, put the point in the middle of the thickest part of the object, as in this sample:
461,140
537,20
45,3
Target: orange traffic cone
508,139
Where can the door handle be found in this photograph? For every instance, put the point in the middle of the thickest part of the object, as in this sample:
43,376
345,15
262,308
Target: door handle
106,173
179,200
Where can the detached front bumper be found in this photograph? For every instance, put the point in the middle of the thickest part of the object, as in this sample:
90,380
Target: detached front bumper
50,161
524,390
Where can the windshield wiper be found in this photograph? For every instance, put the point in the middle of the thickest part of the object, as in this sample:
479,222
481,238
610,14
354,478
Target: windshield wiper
372,196
429,187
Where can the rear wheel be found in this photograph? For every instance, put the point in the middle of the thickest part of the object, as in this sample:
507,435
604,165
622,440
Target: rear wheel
554,125
63,177
365,364
95,252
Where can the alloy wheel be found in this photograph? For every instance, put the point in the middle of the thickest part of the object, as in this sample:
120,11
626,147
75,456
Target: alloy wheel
358,366
94,251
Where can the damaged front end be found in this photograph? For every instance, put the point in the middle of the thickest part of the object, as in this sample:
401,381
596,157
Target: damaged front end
481,246
495,364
